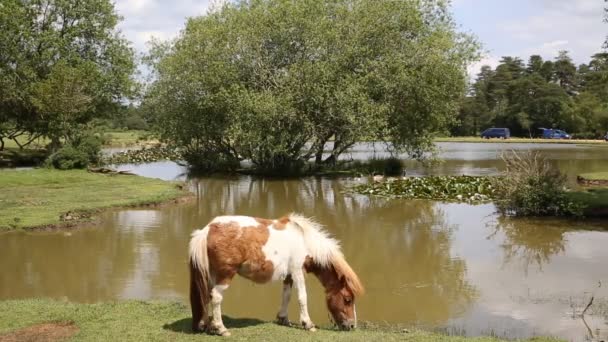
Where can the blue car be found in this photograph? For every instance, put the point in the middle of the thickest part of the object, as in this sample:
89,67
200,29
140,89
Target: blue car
503,133
549,133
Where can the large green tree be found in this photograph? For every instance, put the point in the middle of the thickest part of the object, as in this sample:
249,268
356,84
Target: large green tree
279,82
62,63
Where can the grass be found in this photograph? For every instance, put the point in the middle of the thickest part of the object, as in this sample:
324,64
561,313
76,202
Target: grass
36,198
128,138
521,140
116,139
594,200
595,176
161,321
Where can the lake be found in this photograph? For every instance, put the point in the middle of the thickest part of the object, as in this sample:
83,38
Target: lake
457,268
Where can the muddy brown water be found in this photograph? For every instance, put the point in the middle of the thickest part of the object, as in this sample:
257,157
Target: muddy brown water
457,268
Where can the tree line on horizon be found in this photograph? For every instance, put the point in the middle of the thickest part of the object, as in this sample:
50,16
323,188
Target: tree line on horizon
538,94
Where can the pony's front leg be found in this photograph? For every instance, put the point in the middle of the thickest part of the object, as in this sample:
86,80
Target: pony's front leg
217,325
286,295
298,279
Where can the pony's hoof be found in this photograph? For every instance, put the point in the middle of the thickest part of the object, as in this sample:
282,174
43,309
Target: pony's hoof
219,331
283,321
309,326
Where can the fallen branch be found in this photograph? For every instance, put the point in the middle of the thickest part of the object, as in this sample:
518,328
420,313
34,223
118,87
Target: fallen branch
106,170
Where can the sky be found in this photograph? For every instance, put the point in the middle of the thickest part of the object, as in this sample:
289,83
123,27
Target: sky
516,28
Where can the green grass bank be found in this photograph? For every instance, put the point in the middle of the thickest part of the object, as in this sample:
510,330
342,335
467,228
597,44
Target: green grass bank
45,197
161,321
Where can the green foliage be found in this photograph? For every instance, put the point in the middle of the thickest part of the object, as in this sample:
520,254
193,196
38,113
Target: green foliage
62,63
136,122
68,157
443,188
531,186
77,154
274,81
543,94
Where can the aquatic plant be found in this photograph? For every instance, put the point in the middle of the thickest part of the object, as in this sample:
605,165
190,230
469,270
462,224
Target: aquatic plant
468,189
534,187
144,155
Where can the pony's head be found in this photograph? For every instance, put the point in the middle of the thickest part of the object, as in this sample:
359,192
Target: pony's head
342,286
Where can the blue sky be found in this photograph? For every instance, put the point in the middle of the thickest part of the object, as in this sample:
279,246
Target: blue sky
505,27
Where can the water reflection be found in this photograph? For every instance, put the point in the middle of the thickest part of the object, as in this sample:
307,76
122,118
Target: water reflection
529,242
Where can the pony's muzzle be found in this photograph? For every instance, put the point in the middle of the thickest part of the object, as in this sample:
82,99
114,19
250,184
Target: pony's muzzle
348,324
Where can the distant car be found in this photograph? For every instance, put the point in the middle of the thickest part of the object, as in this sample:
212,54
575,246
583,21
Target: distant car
549,133
606,136
503,133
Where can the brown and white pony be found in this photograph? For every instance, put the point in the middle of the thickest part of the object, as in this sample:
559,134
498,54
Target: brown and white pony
263,250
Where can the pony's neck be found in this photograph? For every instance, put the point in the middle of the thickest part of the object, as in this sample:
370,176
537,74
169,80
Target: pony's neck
326,275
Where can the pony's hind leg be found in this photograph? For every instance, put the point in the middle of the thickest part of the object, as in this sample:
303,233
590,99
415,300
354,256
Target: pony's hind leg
216,326
282,315
298,279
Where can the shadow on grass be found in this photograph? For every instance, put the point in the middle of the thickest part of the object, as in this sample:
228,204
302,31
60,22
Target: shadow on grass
185,325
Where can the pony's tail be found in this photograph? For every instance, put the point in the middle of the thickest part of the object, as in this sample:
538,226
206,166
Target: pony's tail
200,294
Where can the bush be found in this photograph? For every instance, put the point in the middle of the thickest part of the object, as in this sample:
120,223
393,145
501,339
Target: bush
80,153
136,122
533,187
68,157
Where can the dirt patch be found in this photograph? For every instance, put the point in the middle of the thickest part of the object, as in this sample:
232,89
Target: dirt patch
46,332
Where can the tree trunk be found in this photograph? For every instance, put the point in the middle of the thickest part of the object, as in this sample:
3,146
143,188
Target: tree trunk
1,144
55,145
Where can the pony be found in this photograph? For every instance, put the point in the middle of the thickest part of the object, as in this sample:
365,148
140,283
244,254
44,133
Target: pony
264,250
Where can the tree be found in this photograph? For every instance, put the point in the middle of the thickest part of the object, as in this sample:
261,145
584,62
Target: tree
535,65
565,72
62,63
274,81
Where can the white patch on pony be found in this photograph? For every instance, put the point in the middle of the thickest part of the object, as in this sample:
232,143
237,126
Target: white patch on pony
243,221
285,250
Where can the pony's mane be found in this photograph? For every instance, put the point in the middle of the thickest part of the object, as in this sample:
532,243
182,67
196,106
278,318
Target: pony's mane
325,251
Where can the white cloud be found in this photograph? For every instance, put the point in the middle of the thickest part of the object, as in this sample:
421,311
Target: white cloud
474,68
575,26
144,19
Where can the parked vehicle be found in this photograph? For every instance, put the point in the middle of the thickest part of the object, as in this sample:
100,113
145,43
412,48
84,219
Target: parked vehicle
503,133
606,136
550,133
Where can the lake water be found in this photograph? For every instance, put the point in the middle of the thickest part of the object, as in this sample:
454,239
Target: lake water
457,268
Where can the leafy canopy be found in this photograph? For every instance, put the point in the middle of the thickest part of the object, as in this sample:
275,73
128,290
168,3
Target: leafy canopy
62,63
274,81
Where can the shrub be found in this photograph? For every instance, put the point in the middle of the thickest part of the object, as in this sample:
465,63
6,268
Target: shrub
136,122
80,153
533,187
68,157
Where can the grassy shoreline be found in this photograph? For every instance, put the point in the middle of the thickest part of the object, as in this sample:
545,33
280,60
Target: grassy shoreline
50,198
164,321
